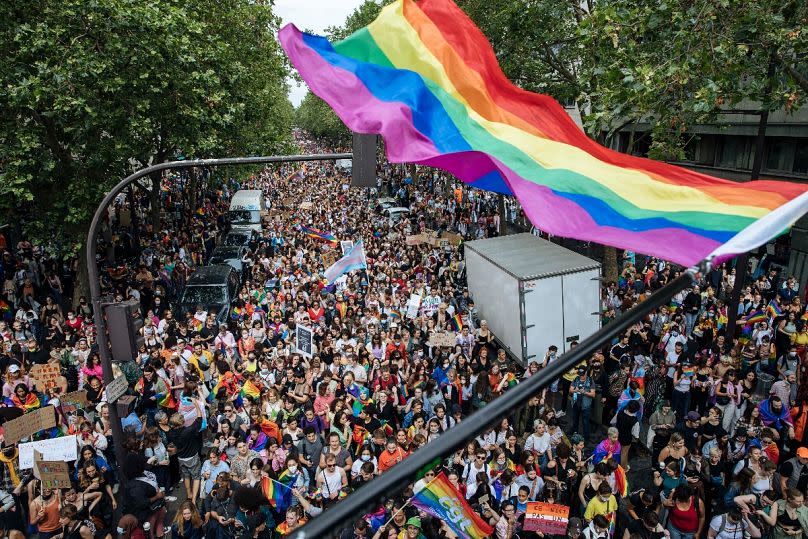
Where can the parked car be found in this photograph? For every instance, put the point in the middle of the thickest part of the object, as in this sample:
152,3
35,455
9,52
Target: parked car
231,255
396,213
212,287
238,237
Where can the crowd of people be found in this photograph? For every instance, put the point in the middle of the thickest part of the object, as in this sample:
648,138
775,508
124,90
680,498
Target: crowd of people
256,437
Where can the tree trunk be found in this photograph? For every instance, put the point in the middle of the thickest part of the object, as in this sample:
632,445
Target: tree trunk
154,200
81,284
609,264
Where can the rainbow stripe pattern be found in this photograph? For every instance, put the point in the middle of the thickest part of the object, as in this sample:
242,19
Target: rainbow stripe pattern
249,389
440,499
318,234
425,78
278,494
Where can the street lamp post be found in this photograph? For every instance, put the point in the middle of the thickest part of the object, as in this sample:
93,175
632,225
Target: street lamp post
92,249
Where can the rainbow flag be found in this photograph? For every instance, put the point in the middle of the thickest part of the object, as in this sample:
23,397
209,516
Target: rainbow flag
440,499
688,371
621,481
166,400
278,494
773,309
249,389
755,317
457,322
4,307
511,379
318,234
424,77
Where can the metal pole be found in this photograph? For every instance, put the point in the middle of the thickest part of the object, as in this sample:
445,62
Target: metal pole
393,481
92,249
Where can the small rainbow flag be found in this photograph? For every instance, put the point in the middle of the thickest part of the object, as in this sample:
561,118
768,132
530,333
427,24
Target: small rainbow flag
774,309
511,379
4,307
440,499
200,211
237,313
688,371
249,389
457,322
755,317
318,234
278,494
166,400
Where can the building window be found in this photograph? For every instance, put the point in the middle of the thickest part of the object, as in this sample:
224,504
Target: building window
801,157
735,152
780,154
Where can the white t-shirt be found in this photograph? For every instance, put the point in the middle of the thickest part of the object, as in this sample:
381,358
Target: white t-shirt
539,444
729,530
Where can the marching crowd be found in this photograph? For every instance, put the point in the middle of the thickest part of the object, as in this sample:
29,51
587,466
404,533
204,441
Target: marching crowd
257,437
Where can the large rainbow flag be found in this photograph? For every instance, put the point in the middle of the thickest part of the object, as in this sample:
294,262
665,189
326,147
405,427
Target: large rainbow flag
440,499
424,77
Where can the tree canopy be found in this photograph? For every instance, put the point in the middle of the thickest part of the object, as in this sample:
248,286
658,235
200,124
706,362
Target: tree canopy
93,89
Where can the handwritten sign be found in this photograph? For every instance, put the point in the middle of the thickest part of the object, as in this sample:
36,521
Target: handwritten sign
74,400
329,257
442,338
62,449
42,374
454,239
413,305
415,239
306,205
29,424
548,518
116,389
53,474
346,246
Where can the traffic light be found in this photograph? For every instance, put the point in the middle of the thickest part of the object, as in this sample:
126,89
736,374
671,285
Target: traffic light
123,323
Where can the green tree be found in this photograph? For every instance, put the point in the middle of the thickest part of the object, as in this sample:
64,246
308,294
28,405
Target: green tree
92,90
314,116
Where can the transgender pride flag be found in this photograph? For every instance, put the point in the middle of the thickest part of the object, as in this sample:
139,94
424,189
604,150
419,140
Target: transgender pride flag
355,259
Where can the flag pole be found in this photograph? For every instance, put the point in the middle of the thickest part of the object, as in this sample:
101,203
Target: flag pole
400,509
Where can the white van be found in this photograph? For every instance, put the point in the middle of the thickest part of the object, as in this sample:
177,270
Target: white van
245,209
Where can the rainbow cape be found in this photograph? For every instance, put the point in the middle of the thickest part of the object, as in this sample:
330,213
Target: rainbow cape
440,499
425,78
249,389
318,234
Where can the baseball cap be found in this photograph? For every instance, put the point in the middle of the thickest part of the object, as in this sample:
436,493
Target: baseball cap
13,368
693,416
802,452
414,521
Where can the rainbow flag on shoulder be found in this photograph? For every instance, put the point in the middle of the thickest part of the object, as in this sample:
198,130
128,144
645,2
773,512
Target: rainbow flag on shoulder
440,499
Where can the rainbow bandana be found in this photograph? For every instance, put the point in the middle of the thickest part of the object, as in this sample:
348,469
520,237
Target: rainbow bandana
424,77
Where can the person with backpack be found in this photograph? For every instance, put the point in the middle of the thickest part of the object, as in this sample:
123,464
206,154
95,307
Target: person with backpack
686,513
733,525
789,517
794,472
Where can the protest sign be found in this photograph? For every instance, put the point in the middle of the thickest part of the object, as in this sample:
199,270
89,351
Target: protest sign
415,239
306,205
430,304
116,389
454,239
62,449
442,338
74,400
412,306
42,374
547,518
304,341
52,474
29,424
329,257
346,246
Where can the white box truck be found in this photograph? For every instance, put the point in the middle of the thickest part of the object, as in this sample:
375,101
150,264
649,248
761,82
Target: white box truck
533,293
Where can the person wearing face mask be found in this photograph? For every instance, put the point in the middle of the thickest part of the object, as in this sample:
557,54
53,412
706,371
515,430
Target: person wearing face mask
365,456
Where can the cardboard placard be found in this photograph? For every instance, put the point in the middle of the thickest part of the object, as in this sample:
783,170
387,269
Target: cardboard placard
116,389
289,201
329,257
346,246
52,474
29,424
42,374
306,205
548,518
63,449
438,242
75,400
430,233
304,341
454,239
442,338
415,239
